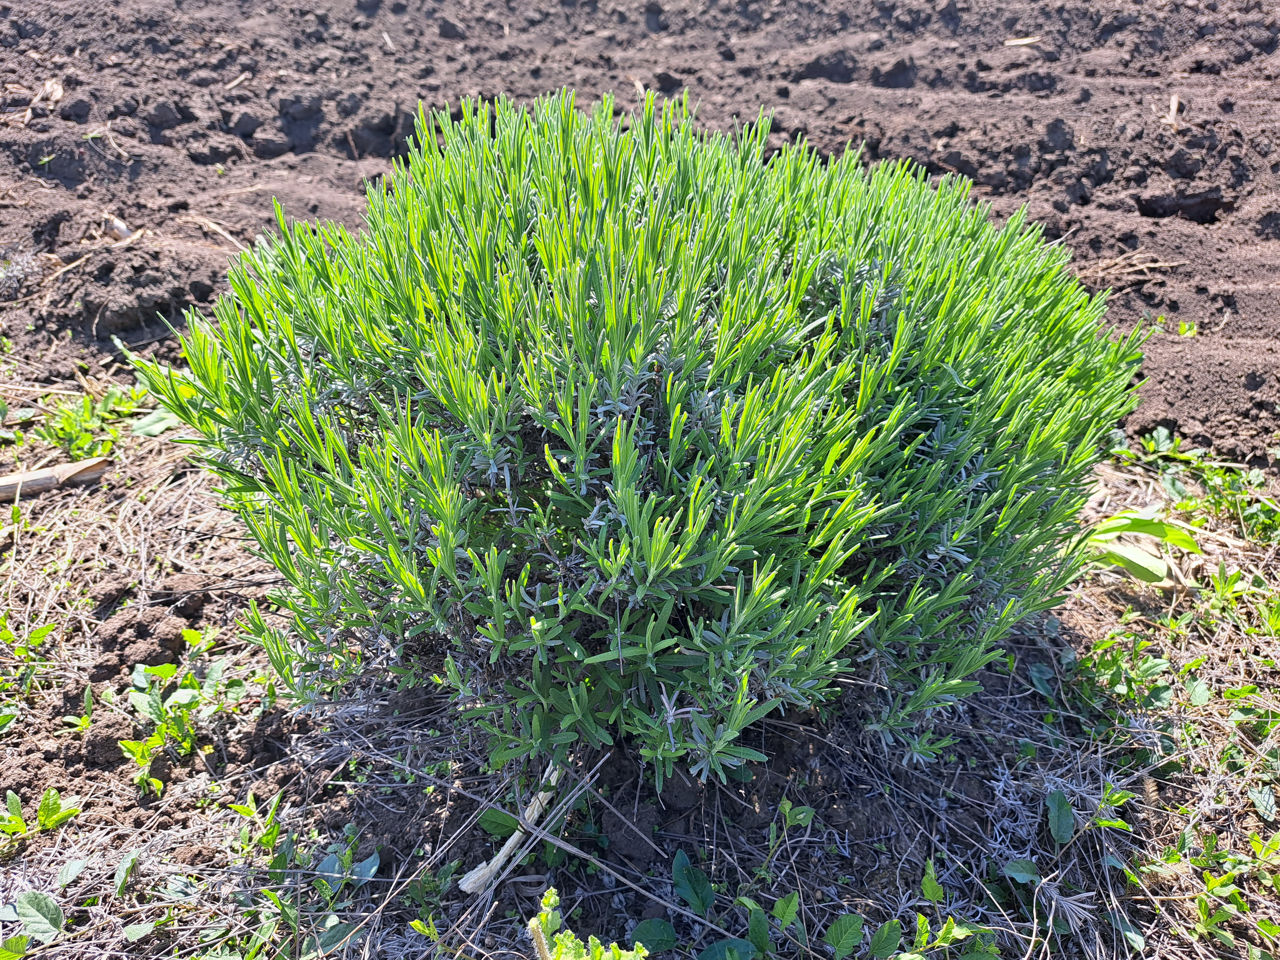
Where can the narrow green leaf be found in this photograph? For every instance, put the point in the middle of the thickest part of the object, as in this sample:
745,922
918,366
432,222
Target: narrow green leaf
1131,934
758,932
930,889
156,423
923,930
50,805
125,870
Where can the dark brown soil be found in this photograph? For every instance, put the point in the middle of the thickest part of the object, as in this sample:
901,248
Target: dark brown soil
1144,136
185,122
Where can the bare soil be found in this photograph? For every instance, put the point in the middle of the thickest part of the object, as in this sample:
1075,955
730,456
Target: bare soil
142,142
185,120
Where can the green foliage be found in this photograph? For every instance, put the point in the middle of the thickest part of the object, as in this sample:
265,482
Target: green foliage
1062,819
81,723
782,929
620,430
294,903
844,935
51,812
23,660
86,427
552,943
1226,878
173,702
40,915
691,885
1138,561
1195,482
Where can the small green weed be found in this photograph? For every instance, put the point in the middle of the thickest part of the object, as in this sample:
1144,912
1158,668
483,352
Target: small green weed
52,812
1198,484
287,917
792,817
175,701
552,943
80,724
1195,671
23,659
1227,877
86,427
782,928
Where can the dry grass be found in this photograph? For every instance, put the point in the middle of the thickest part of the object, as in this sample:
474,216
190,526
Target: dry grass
389,764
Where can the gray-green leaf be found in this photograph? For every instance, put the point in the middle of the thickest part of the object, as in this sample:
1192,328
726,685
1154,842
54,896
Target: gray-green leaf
125,870
363,871
156,423
1198,691
1023,871
1264,801
40,915
1062,819
134,932
70,870
1127,930
725,949
655,934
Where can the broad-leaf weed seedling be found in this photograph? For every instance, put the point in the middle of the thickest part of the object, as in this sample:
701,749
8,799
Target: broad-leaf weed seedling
294,902
79,724
174,701
86,427
22,659
550,942
52,812
792,817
